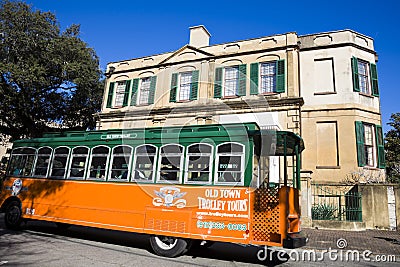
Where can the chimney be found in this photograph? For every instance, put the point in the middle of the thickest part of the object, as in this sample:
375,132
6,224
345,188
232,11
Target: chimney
199,36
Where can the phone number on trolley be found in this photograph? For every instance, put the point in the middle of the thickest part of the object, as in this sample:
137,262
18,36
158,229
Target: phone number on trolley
221,226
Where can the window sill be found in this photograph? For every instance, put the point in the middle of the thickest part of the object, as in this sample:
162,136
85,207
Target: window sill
326,93
327,167
367,95
183,101
371,168
230,97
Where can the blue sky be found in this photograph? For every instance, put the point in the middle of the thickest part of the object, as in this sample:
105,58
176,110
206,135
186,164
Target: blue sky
123,29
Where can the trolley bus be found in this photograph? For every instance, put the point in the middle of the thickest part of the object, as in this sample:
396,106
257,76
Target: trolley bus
180,185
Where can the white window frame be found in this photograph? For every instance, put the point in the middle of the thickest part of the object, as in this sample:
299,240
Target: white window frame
90,163
242,162
66,163
134,164
140,89
48,165
21,154
210,171
273,76
224,80
119,93
72,159
110,178
179,86
373,146
179,181
366,76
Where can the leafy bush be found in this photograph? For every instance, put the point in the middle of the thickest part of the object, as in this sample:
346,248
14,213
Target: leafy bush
323,212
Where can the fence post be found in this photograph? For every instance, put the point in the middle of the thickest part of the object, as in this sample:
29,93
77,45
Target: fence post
306,197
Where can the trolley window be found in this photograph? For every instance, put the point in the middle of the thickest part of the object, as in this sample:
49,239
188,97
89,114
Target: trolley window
170,165
144,162
59,163
198,163
42,162
98,162
78,162
229,162
120,163
22,160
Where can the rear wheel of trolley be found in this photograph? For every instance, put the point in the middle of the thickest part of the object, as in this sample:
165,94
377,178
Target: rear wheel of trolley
168,246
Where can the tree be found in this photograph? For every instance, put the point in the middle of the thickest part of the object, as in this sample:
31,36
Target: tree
392,149
48,78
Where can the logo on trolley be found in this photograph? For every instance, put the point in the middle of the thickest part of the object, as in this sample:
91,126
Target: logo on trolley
16,187
169,196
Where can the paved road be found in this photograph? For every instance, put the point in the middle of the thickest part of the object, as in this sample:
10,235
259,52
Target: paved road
42,244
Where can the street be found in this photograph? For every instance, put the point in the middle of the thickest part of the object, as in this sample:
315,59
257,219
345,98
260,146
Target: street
43,244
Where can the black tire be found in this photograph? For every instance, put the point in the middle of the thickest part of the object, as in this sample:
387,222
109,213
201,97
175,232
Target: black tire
169,246
63,226
13,215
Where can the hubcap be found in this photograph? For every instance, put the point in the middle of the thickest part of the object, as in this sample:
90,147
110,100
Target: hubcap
13,215
166,242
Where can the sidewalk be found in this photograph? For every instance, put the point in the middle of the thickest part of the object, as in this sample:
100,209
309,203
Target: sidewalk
377,241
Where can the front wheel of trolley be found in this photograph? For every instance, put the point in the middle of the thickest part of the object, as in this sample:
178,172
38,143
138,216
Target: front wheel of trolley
170,247
13,215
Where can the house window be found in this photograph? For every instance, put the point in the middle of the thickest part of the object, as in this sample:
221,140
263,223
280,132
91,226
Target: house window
98,162
170,163
230,81
119,94
231,77
144,162
365,77
230,164
184,86
267,77
185,80
144,91
198,165
370,146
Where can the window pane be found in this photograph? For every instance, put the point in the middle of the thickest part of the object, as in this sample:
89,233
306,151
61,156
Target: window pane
229,158
268,78
145,156
184,85
231,81
170,165
98,163
144,91
363,76
22,161
78,162
42,162
120,162
119,94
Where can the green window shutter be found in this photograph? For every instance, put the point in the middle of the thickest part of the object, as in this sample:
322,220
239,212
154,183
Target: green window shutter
242,80
280,76
380,146
126,93
218,83
174,87
356,79
135,87
194,86
110,95
360,143
374,79
254,78
153,81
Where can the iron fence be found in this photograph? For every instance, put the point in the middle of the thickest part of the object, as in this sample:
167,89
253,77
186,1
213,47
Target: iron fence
336,202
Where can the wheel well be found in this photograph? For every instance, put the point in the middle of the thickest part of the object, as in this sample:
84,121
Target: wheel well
8,201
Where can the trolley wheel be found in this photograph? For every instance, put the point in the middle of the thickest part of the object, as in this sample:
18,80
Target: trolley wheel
63,226
170,247
13,215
